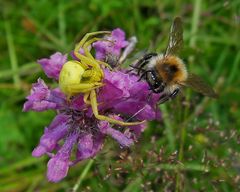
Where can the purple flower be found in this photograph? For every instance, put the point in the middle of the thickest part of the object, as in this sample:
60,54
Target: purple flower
122,97
106,48
42,98
53,66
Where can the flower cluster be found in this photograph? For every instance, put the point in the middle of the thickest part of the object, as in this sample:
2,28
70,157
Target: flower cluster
75,127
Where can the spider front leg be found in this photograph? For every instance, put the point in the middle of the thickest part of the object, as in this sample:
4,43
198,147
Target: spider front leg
88,53
84,39
82,87
84,44
90,62
94,104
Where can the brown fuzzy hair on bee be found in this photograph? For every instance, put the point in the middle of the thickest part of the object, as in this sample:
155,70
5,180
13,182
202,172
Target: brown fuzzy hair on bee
171,69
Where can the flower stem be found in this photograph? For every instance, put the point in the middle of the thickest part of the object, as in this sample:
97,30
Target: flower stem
12,54
27,68
169,127
62,23
82,176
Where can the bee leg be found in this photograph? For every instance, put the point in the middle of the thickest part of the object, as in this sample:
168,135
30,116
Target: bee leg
133,67
147,57
139,69
174,93
142,76
130,70
163,98
144,61
141,66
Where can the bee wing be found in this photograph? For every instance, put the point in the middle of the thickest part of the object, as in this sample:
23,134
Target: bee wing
198,84
175,41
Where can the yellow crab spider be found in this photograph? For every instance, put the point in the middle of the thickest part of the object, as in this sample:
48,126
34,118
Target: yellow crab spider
85,76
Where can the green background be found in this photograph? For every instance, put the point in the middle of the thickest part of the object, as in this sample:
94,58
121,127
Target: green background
196,145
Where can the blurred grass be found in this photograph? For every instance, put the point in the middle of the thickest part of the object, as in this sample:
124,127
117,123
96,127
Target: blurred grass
194,148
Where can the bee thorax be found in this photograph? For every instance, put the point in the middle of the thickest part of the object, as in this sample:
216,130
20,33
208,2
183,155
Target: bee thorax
171,69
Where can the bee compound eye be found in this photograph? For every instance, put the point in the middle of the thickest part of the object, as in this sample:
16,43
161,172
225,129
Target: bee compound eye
156,84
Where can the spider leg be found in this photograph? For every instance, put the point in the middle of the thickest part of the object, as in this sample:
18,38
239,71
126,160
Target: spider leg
82,87
89,42
88,59
84,39
104,64
88,53
94,104
90,62
85,98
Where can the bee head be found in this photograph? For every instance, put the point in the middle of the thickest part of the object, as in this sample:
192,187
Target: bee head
155,82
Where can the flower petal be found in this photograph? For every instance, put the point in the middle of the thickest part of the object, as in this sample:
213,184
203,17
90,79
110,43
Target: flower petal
121,138
138,109
57,169
58,165
42,98
88,146
53,66
104,48
56,131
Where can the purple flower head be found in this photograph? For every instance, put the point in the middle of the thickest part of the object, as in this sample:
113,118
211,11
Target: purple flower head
53,66
122,97
112,47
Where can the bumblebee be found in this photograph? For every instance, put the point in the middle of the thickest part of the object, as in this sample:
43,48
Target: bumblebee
166,73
